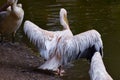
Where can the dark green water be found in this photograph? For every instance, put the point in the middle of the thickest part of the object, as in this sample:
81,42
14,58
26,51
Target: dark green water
102,15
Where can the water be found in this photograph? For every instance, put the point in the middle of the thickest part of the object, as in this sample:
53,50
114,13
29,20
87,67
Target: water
102,15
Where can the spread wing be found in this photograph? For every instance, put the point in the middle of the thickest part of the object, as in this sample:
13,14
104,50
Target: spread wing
81,46
43,39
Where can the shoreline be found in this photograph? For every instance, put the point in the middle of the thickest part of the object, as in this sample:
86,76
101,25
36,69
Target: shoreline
17,62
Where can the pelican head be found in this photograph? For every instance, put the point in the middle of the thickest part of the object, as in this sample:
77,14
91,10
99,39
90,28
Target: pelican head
20,5
11,1
63,18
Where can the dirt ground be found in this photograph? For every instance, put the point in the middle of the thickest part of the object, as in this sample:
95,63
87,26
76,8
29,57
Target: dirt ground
18,62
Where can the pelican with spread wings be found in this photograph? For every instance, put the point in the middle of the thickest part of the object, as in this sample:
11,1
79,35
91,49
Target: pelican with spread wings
11,19
61,47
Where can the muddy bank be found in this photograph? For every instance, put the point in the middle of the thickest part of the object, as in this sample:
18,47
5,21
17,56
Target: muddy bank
18,62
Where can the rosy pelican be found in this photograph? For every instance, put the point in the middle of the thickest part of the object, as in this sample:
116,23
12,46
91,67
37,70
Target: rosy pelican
61,47
11,19
97,69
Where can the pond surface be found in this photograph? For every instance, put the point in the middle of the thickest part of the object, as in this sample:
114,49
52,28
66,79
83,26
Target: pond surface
102,15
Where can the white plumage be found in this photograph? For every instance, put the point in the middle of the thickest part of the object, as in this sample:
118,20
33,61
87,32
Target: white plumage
97,69
61,47
11,19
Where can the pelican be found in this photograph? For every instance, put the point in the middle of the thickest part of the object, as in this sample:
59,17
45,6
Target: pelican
61,47
97,69
11,19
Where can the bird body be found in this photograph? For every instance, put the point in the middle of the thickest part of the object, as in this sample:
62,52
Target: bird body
97,69
11,19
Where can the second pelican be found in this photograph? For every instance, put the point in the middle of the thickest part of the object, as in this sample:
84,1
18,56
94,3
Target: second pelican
97,69
11,19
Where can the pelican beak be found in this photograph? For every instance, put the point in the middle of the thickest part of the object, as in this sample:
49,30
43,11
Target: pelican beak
65,18
10,2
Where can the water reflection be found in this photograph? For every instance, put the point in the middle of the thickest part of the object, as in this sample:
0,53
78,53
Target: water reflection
102,15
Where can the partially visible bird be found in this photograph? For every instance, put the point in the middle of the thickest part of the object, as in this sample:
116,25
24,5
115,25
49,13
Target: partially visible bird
11,19
97,68
61,47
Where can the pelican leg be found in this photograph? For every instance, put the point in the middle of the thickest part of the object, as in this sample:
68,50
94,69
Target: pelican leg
13,37
2,37
60,71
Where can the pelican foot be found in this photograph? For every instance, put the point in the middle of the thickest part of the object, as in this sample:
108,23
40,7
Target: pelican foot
1,42
60,72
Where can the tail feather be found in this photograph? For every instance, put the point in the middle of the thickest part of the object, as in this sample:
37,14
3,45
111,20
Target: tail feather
51,64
